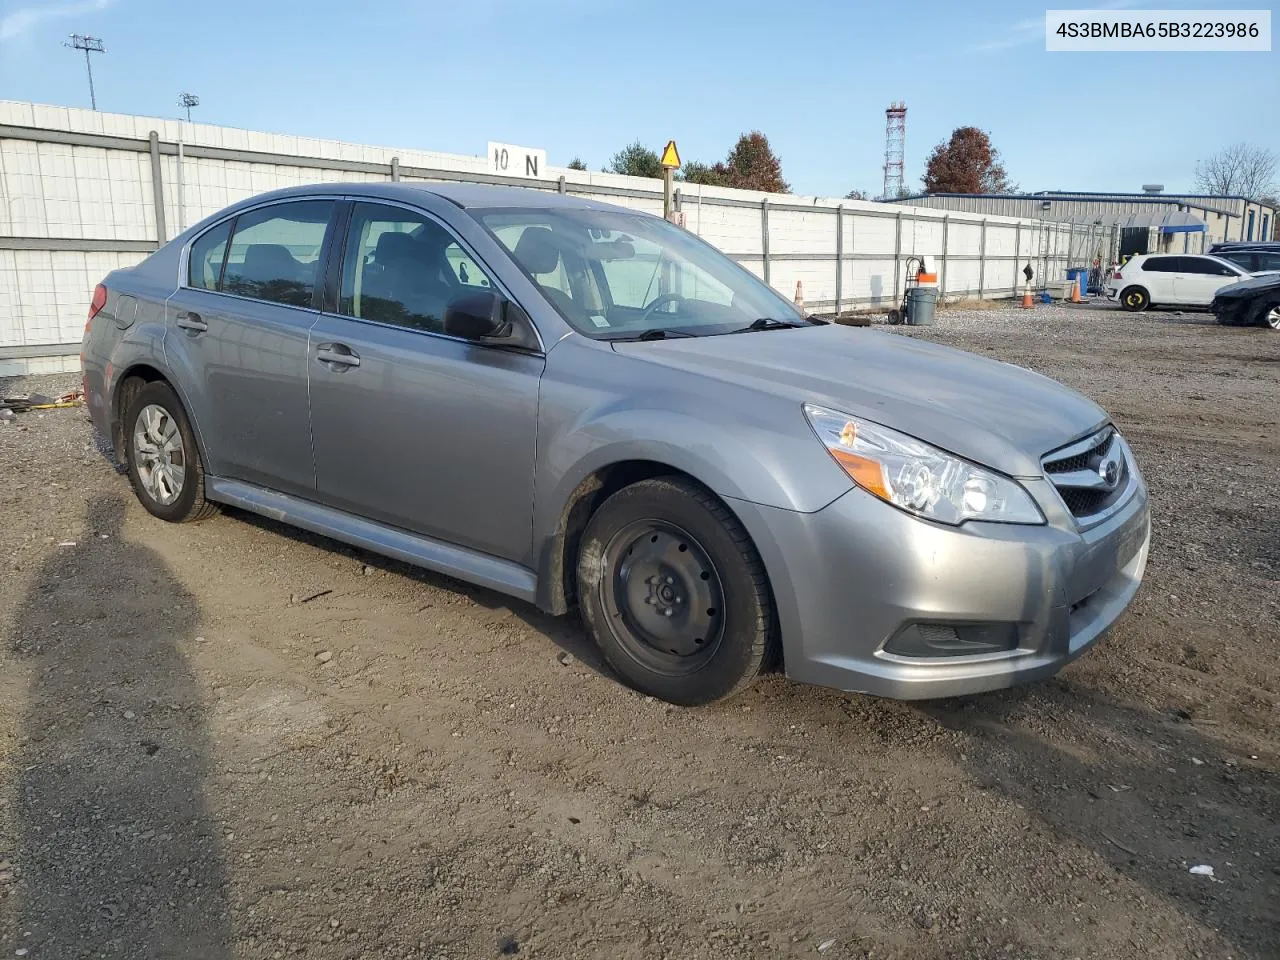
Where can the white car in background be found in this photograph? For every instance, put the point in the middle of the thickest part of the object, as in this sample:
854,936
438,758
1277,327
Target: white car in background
1184,280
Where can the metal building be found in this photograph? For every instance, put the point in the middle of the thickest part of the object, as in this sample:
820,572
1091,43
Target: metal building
1148,222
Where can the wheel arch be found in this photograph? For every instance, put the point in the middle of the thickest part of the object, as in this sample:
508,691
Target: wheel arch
127,385
558,554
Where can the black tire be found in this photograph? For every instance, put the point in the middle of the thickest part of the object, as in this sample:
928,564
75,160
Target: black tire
1269,316
1135,299
707,555
895,317
190,503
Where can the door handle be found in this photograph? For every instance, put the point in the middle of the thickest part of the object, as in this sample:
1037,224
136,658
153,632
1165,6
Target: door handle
191,321
337,354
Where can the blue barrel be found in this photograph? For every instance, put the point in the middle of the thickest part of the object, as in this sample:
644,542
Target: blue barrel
1081,275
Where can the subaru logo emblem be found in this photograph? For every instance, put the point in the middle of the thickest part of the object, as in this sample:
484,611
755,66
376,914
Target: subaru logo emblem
1109,471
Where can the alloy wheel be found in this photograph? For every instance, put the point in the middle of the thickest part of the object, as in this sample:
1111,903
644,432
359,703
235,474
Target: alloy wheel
158,454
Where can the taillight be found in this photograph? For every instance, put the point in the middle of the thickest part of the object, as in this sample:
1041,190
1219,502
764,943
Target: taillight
97,303
1116,276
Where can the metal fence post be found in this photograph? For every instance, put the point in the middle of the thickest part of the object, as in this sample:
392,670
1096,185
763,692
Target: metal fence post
942,274
157,188
897,253
395,169
839,257
764,236
1017,253
982,258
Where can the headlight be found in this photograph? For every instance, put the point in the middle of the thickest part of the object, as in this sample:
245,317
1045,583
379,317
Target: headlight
920,479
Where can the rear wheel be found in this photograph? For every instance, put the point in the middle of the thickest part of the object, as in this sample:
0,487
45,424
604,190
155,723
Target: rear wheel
1135,299
164,464
674,593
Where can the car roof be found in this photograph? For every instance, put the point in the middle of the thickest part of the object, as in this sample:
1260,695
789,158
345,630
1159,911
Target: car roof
469,196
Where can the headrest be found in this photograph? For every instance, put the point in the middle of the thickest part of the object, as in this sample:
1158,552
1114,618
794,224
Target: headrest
537,251
394,247
269,261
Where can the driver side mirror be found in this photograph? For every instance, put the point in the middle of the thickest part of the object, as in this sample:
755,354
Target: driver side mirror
476,316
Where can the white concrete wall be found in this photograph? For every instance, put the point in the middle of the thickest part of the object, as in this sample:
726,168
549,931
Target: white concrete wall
54,195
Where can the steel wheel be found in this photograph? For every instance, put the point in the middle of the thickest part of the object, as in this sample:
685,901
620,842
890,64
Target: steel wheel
663,597
159,454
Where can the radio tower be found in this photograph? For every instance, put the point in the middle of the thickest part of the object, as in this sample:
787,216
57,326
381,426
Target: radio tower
895,141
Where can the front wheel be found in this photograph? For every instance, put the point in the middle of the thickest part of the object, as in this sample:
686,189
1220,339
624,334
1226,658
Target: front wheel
1269,316
674,593
1135,299
164,464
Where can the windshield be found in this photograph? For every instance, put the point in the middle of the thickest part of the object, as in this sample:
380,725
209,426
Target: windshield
615,275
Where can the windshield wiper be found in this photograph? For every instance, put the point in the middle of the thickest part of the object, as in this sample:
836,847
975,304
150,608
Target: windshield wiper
767,323
657,333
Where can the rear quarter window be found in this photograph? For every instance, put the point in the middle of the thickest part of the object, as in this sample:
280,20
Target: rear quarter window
204,271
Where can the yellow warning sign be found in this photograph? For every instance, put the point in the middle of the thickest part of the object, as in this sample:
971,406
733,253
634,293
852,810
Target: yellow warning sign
671,156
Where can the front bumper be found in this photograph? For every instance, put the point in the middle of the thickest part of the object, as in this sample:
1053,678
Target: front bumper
847,578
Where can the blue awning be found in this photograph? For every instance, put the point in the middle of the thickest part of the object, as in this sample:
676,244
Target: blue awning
1173,221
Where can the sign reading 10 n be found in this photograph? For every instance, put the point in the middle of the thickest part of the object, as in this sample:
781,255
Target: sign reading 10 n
508,160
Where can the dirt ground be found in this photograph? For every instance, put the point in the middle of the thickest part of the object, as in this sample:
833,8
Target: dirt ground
232,739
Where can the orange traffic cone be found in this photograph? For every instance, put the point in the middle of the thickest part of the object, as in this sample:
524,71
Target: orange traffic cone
1026,297
800,295
1075,291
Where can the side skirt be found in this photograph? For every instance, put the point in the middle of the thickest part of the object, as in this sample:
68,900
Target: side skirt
478,568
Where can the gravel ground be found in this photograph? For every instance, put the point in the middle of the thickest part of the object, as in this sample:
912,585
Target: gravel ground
231,739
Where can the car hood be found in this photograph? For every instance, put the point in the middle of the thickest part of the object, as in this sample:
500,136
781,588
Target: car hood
992,413
1257,283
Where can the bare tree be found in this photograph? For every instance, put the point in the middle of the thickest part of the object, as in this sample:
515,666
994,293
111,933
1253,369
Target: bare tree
1241,170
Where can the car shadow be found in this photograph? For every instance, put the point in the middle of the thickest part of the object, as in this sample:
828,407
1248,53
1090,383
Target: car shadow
1149,793
118,853
566,632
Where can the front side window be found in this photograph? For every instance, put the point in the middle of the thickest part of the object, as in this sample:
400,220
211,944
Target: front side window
275,252
1267,261
617,275
403,268
207,253
1203,265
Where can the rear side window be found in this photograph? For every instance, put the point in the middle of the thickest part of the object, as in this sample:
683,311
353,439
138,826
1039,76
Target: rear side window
274,252
1161,265
1267,261
207,254
1245,261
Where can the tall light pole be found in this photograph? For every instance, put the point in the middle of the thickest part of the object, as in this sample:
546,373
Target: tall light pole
88,45
188,100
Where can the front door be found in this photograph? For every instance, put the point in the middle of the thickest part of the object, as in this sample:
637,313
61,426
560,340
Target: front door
1199,278
238,330
411,427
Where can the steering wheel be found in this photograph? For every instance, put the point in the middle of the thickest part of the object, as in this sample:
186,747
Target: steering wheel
658,301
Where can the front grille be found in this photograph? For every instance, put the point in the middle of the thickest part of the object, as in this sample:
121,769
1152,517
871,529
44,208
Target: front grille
1081,461
1079,472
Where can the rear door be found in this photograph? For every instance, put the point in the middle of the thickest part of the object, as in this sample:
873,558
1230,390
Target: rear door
238,332
413,428
1158,276
1201,277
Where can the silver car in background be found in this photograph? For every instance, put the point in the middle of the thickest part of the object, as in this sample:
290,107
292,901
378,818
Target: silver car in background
584,406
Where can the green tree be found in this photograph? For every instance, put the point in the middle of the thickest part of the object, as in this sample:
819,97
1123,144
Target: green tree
577,163
636,160
856,195
704,173
752,165
967,163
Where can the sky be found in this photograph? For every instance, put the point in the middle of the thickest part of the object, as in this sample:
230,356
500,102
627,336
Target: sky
586,77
